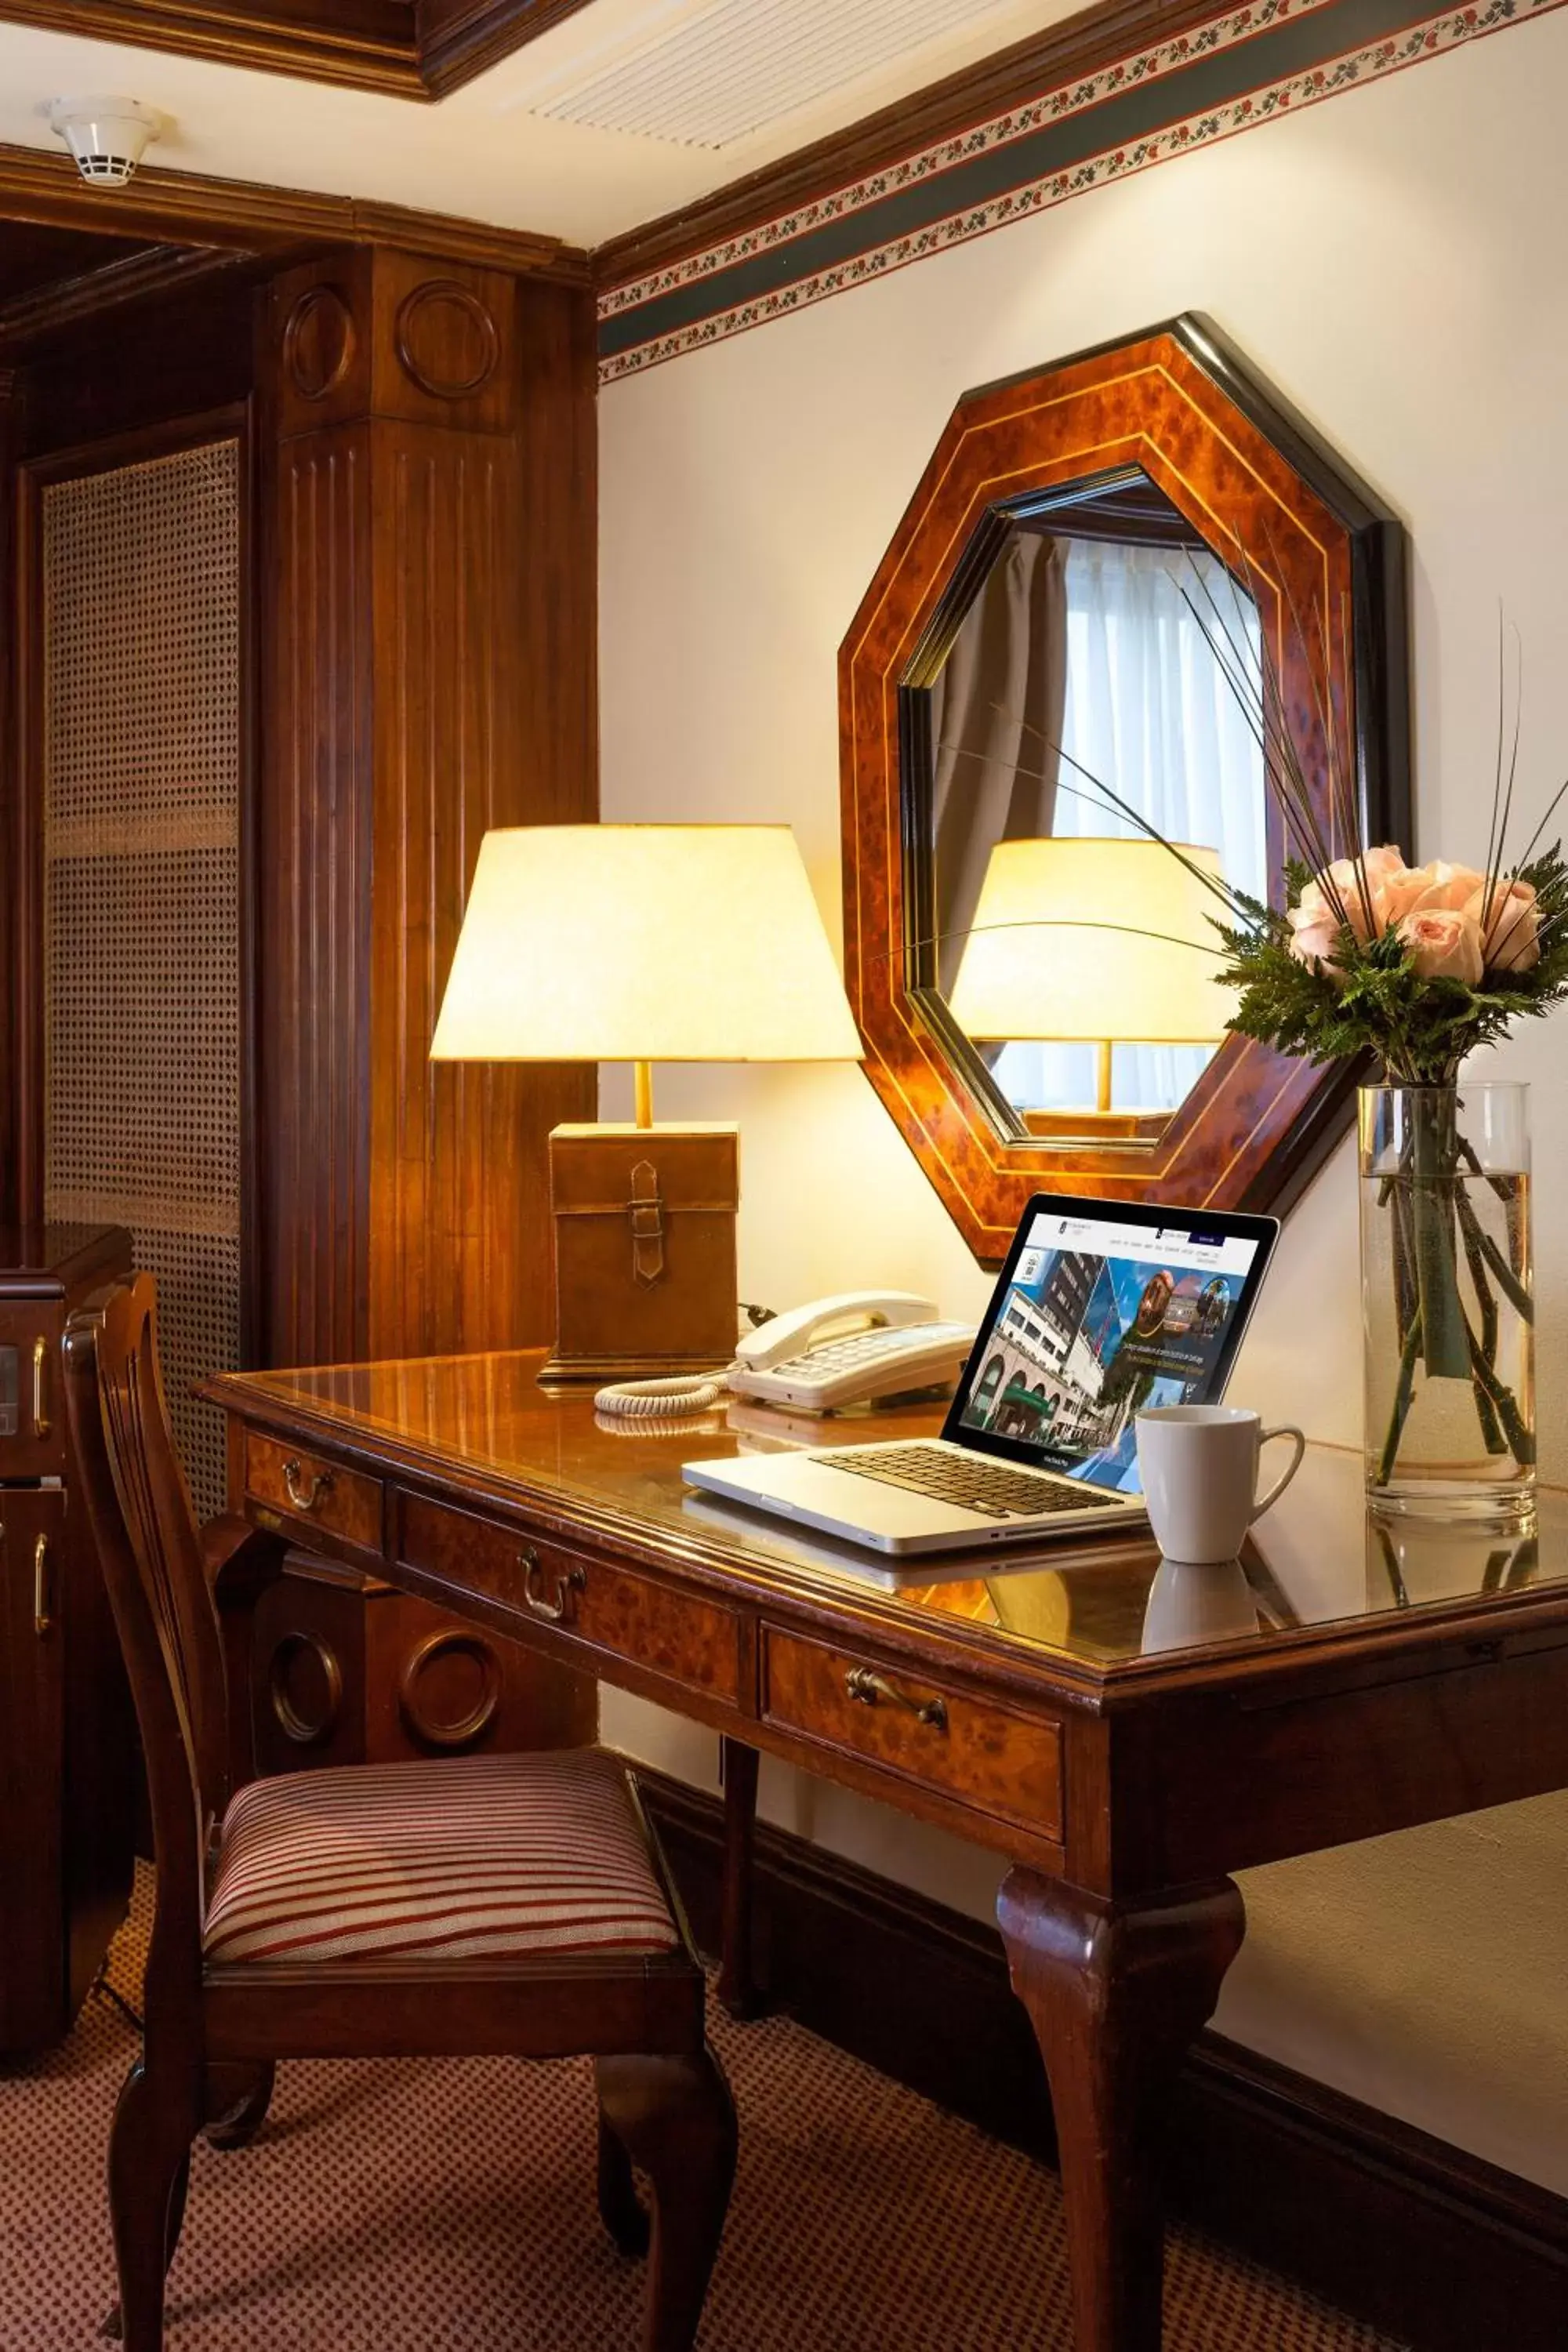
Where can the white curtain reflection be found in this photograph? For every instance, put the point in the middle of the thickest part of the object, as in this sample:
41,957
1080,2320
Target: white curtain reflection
1149,712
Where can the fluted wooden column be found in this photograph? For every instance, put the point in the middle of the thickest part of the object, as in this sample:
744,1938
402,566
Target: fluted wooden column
427,671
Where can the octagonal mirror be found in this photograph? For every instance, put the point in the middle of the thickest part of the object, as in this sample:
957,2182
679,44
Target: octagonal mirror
1044,687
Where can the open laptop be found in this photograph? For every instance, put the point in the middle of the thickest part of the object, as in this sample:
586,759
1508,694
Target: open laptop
1102,1308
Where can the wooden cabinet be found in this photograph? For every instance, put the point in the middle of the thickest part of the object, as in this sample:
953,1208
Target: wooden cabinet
67,1751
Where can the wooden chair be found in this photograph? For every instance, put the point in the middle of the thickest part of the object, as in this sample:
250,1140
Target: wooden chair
514,1904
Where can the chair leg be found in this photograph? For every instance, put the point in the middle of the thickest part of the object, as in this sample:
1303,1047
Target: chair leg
676,2119
237,2101
149,2170
620,2207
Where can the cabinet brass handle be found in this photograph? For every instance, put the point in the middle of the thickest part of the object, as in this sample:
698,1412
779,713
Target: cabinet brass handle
42,1620
870,1690
568,1581
40,1403
303,1495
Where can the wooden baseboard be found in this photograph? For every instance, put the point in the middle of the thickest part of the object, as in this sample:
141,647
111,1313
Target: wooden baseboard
1439,2249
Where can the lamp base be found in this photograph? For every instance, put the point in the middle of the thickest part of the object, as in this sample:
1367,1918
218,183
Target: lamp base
645,1281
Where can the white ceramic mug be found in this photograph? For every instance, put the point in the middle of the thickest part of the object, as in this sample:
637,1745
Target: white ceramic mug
1199,1467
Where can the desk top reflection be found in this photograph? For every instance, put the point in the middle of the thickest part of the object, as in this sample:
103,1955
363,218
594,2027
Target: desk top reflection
1106,1608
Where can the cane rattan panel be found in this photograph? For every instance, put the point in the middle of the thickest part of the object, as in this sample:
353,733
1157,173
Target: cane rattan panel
141,575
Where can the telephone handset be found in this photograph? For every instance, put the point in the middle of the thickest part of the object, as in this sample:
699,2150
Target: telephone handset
850,1350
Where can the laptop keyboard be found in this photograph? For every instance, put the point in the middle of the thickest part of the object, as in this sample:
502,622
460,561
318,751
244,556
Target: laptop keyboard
993,1488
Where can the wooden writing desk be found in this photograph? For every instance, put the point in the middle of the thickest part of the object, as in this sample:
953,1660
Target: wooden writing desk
1125,1733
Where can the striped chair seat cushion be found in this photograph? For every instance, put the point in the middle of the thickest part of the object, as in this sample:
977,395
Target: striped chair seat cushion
483,1857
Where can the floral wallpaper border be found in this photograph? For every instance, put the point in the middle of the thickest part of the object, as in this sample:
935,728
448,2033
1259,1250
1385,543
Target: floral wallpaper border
1266,59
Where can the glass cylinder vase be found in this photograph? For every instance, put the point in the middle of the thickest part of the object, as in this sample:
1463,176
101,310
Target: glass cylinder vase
1447,1304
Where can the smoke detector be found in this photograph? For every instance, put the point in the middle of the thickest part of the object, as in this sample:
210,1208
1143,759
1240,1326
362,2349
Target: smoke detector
107,136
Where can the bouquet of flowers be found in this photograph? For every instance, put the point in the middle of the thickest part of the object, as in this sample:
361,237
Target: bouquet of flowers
1408,969
1404,969
1413,966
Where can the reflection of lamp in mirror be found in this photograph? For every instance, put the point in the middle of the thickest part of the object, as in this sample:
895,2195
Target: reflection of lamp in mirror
1103,942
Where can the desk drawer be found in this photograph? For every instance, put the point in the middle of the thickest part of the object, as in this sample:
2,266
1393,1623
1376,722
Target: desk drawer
984,1755
313,1493
670,1632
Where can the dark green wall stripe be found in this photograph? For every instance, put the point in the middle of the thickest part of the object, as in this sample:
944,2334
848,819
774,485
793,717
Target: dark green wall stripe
1259,60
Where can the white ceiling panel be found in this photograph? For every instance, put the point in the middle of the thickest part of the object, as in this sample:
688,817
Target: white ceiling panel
715,72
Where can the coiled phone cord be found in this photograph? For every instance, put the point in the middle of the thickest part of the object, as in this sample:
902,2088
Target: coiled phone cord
663,1400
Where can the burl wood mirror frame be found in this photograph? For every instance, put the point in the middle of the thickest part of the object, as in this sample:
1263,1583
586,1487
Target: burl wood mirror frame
1324,561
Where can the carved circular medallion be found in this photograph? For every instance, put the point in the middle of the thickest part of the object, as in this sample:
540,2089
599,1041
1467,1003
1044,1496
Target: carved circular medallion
319,342
305,1683
447,339
450,1690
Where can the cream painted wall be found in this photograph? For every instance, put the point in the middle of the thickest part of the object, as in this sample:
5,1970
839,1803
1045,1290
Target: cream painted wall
1389,261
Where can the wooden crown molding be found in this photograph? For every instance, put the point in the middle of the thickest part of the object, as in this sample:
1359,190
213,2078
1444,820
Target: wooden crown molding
184,208
459,39
400,48
1085,43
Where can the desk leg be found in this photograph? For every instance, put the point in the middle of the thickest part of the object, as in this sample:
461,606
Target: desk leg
737,1985
1116,1993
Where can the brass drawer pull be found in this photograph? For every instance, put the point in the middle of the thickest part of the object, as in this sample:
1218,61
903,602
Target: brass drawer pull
568,1581
42,1620
40,1404
870,1690
305,1497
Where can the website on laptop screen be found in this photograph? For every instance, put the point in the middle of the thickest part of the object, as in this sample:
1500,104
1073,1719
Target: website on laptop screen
1097,1320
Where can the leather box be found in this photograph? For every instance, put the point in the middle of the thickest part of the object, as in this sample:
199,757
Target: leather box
645,1279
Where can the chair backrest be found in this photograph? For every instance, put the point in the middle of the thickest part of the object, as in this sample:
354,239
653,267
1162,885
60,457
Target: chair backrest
140,1511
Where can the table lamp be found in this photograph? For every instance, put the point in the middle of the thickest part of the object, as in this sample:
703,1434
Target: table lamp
643,943
1097,941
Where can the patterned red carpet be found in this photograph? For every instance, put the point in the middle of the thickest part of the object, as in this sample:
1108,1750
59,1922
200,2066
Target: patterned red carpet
439,2208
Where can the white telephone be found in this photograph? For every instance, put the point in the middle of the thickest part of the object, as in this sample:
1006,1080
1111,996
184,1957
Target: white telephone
850,1350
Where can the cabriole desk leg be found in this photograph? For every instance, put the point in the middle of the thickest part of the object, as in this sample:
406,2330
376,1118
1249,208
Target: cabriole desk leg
1116,1993
737,1986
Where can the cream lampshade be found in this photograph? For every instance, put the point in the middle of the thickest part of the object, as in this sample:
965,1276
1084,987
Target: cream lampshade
1100,940
643,943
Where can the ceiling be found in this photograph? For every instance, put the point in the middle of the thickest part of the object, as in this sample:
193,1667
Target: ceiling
619,112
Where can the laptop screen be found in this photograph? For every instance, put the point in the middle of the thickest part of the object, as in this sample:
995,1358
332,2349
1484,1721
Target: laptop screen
1105,1307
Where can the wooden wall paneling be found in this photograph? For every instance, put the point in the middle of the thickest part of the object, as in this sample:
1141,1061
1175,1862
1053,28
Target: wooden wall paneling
448,726
430,623
11,383
313,901
186,355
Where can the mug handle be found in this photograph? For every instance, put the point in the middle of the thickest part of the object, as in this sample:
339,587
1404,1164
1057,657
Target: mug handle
1287,1430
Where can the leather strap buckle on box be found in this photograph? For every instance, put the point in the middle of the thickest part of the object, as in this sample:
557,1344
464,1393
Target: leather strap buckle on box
644,1211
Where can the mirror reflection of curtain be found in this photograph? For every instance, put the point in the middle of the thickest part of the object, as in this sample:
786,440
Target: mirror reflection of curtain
1000,695
1147,708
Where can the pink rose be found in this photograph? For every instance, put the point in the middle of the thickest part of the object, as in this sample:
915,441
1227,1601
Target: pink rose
1369,883
1512,925
1424,887
1315,944
1444,943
